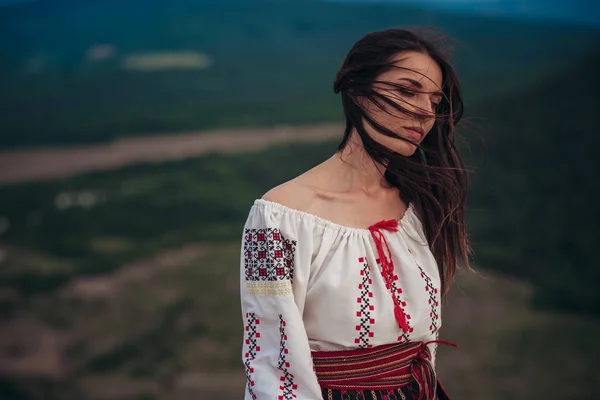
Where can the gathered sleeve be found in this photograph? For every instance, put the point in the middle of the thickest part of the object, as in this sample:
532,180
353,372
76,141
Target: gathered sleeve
275,262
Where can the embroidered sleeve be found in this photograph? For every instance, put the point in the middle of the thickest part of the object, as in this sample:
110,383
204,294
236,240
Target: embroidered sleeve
275,353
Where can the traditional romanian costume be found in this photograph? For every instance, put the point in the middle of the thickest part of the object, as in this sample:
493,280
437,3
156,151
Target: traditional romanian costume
333,312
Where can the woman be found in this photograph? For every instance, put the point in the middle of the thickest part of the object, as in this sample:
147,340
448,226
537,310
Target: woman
343,268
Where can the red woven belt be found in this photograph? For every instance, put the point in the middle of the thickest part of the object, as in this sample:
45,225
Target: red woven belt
386,367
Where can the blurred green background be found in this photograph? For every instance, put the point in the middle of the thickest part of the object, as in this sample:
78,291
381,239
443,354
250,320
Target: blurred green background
135,135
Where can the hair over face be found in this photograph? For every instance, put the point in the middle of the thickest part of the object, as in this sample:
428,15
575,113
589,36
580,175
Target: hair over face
433,178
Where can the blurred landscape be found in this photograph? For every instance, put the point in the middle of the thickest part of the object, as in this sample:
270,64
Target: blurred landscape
135,136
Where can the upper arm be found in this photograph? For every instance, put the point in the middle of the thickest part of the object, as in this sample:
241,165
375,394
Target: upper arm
275,347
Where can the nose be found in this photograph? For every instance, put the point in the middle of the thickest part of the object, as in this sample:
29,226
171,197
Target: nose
425,109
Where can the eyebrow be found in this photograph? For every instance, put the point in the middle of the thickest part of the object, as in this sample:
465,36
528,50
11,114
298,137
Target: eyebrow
420,86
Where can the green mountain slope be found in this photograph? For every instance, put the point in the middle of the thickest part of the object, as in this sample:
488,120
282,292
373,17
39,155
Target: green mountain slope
539,187
67,77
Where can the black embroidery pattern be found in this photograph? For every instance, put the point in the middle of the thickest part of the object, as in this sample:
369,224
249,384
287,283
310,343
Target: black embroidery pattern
252,348
364,328
268,255
433,301
287,386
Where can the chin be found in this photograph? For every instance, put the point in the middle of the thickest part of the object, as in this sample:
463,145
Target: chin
397,145
405,149
406,152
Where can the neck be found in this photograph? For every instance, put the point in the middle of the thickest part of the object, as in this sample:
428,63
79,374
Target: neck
356,170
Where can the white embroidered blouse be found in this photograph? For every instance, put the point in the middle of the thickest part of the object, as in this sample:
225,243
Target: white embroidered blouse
308,284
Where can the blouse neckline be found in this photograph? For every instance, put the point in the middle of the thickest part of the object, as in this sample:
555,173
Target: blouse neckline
408,214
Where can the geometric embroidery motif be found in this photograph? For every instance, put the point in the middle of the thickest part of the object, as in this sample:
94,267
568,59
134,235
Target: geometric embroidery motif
287,385
268,255
433,301
365,326
277,288
252,348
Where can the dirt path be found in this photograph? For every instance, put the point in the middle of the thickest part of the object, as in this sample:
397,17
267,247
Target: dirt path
51,163
99,287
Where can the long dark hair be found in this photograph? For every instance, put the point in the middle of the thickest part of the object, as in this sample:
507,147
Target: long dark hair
433,179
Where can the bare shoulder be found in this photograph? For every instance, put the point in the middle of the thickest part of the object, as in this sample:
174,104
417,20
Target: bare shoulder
293,194
309,192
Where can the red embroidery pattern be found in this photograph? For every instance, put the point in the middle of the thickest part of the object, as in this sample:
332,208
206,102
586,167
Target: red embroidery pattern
397,291
433,301
287,386
268,255
251,348
364,328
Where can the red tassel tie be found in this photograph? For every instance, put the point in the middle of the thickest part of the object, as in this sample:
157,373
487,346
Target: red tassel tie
387,265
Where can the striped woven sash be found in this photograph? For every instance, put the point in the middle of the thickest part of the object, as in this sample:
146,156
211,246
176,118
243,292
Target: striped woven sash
386,367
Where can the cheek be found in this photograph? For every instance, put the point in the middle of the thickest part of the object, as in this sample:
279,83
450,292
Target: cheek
390,115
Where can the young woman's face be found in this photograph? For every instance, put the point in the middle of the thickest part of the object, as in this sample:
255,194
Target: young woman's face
421,78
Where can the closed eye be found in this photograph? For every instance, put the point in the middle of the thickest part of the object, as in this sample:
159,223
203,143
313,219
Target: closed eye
436,100
406,92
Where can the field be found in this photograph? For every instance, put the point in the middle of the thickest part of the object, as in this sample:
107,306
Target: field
45,163
80,342
75,278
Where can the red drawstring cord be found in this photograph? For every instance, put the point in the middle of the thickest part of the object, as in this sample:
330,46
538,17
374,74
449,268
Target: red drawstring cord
440,342
387,265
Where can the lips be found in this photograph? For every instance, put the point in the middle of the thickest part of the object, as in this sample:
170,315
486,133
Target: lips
415,132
